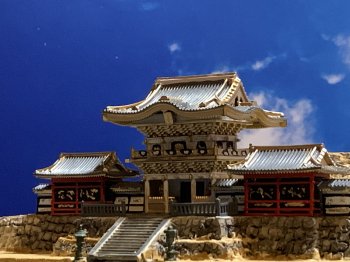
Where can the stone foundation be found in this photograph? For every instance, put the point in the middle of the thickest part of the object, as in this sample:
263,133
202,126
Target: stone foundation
201,237
266,237
38,233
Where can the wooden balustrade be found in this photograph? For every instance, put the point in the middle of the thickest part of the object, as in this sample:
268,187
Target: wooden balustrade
103,210
216,208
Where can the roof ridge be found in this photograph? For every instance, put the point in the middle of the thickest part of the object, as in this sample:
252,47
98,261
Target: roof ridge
86,154
281,147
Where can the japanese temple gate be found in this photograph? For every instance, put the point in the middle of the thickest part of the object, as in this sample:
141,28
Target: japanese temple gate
191,125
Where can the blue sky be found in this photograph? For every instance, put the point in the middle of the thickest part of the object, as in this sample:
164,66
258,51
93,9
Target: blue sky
62,62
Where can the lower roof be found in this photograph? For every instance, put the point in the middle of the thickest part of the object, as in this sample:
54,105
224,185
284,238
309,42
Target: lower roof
85,164
292,158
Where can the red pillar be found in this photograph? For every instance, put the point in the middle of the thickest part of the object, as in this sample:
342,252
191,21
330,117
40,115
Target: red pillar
52,198
246,195
312,194
102,190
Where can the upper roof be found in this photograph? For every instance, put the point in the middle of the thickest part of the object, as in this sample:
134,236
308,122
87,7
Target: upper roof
262,159
216,94
85,164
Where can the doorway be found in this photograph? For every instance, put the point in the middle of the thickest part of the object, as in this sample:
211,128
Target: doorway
185,192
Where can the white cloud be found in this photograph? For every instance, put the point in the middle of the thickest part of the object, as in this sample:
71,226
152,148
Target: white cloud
256,66
221,69
174,47
298,131
343,44
261,64
149,6
333,79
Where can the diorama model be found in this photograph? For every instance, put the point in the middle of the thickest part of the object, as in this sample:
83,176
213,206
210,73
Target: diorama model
191,126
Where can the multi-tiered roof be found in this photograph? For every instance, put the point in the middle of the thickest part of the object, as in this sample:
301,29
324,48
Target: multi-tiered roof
217,103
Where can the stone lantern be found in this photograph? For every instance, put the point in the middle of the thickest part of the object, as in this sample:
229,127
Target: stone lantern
170,234
80,237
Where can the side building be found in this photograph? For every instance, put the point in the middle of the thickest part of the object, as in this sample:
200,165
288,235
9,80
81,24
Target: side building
77,178
286,181
191,126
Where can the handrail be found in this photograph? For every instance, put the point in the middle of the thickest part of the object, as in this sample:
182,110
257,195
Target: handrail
103,210
151,239
216,208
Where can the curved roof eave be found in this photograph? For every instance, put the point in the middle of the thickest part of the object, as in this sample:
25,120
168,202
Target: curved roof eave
254,115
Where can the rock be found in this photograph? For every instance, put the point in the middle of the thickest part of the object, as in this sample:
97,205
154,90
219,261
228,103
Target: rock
344,237
35,230
51,226
309,222
36,221
275,233
47,236
256,222
35,245
339,247
30,219
44,226
297,222
299,233
252,232
347,252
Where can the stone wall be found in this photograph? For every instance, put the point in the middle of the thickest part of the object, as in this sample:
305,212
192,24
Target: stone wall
38,233
265,237
226,237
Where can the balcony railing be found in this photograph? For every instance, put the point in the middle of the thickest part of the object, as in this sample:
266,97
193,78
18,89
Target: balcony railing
216,208
103,210
143,154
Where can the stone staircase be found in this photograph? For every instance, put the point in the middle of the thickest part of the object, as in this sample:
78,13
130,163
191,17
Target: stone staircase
127,239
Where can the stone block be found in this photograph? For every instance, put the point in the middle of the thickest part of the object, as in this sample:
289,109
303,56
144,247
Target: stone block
51,227
59,228
344,237
297,222
36,220
256,221
47,236
309,222
35,230
339,246
30,219
281,222
252,232
299,233
275,233
20,230
44,225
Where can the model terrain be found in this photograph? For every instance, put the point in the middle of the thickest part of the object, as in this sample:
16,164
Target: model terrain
225,202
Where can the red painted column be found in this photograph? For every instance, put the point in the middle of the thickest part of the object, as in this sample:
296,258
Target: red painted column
278,205
312,194
102,191
52,198
246,195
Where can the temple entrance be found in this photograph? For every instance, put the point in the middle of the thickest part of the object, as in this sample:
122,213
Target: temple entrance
185,192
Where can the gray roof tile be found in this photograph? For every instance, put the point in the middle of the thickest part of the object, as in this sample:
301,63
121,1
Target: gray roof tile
283,158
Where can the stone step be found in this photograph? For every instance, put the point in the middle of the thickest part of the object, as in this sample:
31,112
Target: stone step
126,241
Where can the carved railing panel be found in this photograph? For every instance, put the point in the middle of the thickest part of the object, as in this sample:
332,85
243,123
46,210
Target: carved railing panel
103,210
